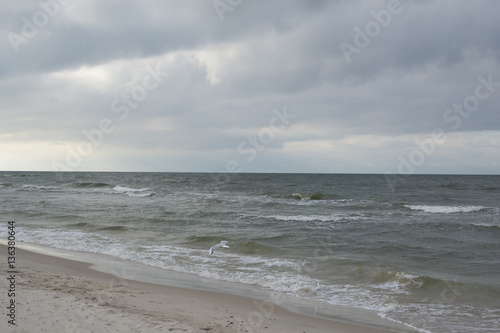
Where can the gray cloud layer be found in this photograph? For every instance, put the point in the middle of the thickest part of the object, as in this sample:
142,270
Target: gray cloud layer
67,65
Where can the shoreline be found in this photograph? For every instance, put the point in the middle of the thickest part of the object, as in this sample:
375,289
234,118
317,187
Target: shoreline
60,294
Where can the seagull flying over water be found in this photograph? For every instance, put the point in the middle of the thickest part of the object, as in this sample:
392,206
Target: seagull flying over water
221,244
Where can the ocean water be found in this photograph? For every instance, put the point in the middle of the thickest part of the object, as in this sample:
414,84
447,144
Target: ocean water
419,250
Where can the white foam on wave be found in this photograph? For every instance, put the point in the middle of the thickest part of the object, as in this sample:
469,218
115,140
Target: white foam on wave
278,274
66,239
39,187
440,317
385,314
324,202
401,282
314,218
493,224
133,192
445,209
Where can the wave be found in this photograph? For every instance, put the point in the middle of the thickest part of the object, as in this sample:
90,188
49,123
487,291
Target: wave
133,192
492,188
445,209
313,196
455,186
232,266
113,228
79,225
486,225
252,248
401,283
311,218
397,281
40,187
326,201
310,196
276,273
89,185
203,240
404,282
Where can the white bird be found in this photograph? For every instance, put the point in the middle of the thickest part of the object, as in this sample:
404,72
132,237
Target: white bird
221,244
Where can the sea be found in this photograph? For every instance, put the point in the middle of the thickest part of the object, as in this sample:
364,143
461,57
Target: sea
419,251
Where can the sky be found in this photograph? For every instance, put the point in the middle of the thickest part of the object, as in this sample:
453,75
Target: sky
307,86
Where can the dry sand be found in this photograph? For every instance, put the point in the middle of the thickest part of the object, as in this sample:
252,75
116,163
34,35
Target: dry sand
59,295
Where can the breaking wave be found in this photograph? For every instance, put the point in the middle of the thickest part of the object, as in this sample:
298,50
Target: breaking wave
133,192
445,209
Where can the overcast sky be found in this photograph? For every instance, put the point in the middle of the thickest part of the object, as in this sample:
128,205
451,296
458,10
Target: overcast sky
250,86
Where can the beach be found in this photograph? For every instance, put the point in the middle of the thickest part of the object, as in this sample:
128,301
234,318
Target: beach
54,294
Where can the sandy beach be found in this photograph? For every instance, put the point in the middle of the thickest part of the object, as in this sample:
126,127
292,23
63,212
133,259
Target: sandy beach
53,294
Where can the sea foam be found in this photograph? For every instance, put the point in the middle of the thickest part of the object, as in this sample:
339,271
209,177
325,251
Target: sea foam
133,192
445,209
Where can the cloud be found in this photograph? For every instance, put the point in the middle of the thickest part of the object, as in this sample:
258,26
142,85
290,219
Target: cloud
65,67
